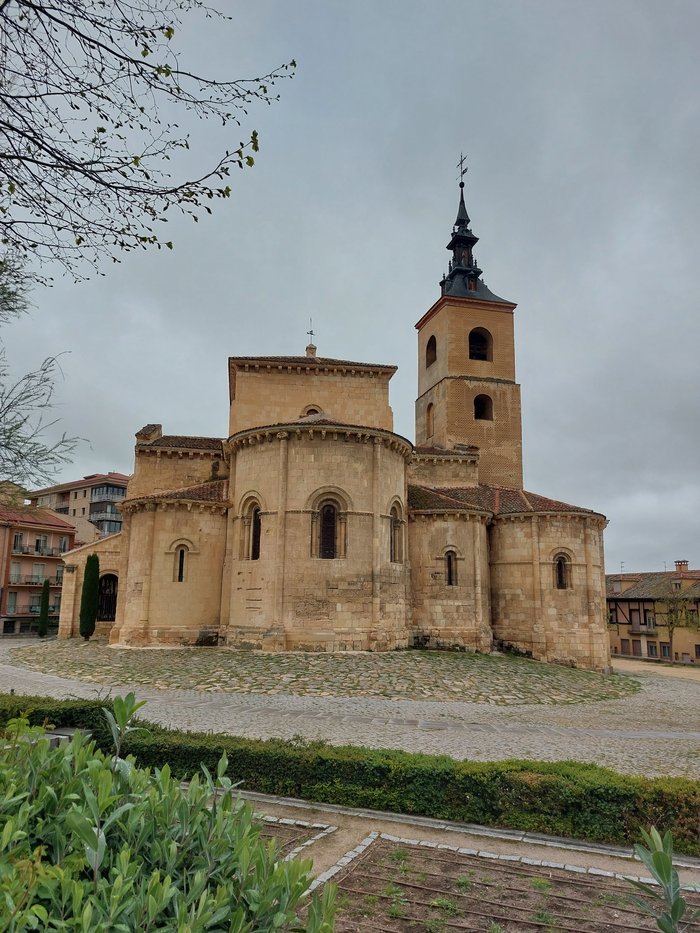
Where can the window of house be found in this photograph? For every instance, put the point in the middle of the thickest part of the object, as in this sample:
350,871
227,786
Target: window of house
480,344
562,572
63,544
180,565
18,542
665,649
12,601
41,545
430,351
634,616
612,615
15,571
395,536
649,617
38,573
451,568
430,420
636,648
697,651
624,646
652,649
677,585
75,494
483,408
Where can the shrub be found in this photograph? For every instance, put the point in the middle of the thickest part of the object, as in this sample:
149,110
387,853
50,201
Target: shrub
89,596
89,841
565,798
44,610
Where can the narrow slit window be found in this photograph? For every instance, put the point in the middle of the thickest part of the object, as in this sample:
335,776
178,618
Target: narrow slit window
180,570
255,529
451,568
329,527
562,572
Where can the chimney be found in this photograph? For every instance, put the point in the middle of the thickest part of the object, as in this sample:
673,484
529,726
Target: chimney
311,350
681,566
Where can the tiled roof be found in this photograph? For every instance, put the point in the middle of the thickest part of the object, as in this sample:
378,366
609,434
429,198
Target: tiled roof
190,443
311,361
212,491
443,451
93,479
654,585
32,516
320,420
496,499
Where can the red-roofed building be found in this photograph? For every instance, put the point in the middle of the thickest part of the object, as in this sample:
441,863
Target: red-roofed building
32,544
313,526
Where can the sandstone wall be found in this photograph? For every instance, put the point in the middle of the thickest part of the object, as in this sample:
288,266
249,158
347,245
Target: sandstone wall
529,611
450,616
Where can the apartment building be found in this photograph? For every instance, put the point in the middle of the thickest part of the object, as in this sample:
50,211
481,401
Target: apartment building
94,498
32,544
638,606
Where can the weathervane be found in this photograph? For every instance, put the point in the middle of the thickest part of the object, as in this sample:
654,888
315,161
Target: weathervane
310,331
462,170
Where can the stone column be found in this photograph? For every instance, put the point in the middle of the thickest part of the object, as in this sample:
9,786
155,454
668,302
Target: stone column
283,438
149,548
539,629
376,532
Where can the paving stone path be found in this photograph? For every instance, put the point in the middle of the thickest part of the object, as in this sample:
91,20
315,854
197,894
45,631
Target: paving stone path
503,707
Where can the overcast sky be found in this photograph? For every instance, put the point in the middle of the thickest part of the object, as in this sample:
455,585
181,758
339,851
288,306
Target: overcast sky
581,125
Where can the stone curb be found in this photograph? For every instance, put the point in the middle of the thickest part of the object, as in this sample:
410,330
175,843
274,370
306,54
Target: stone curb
326,830
540,839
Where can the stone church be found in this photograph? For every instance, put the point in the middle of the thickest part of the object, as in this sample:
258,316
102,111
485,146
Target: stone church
313,526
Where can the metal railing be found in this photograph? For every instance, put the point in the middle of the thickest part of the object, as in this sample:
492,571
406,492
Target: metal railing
32,580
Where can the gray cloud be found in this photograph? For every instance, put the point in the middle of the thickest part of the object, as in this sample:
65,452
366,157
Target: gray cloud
582,131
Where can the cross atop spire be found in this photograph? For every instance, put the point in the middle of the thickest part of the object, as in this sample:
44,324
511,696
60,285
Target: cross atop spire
462,170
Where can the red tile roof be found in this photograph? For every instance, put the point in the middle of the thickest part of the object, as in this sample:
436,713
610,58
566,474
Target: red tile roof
211,491
654,585
188,443
33,516
498,500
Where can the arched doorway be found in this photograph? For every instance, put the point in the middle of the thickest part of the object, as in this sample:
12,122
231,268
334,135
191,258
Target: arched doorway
107,598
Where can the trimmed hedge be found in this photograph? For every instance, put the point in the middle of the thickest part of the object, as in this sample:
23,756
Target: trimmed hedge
566,798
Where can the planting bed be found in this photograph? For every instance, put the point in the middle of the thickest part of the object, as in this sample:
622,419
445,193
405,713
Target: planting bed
402,888
292,835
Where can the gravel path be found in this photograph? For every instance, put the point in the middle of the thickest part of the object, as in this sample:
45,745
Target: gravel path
655,731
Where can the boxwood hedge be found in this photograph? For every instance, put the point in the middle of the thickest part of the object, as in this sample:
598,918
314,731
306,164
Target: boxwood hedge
564,798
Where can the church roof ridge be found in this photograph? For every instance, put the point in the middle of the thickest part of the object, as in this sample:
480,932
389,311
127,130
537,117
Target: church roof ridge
312,362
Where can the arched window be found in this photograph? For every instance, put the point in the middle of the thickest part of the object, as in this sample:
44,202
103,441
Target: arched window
562,572
483,408
328,549
180,558
430,420
480,344
430,352
255,528
451,568
251,533
395,536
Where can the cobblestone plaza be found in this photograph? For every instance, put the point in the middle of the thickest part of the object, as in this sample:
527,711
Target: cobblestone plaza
463,705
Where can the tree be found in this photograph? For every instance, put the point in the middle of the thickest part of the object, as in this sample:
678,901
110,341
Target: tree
26,457
85,147
44,610
89,596
673,612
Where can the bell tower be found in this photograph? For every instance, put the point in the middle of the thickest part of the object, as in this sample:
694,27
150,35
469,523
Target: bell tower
467,393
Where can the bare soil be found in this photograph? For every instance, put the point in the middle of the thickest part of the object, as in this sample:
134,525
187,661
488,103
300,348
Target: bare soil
396,888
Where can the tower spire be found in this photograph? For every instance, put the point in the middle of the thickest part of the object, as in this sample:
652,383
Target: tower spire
463,279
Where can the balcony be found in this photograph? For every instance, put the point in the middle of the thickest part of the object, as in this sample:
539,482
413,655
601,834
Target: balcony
108,496
31,580
37,551
106,517
638,628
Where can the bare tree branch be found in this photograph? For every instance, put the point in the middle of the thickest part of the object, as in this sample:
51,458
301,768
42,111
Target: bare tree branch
87,155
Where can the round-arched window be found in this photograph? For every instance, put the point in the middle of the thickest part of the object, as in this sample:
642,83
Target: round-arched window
483,408
480,344
430,351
